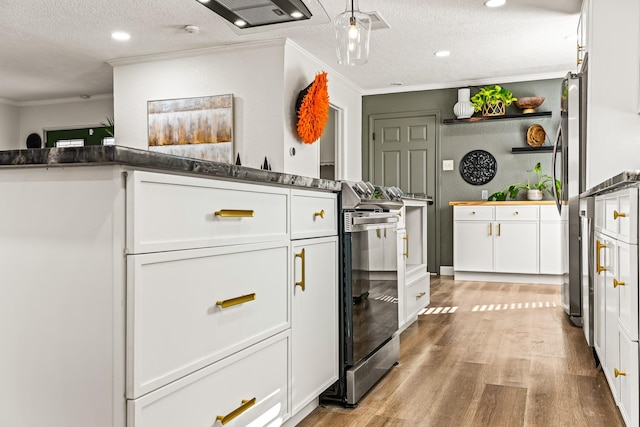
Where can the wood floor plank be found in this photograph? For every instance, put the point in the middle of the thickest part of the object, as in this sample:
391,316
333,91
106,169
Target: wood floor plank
507,356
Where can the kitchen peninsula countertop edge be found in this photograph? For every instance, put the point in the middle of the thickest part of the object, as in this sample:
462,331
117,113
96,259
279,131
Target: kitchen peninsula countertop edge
118,155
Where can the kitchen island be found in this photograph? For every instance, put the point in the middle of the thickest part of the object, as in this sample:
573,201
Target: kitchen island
511,241
142,289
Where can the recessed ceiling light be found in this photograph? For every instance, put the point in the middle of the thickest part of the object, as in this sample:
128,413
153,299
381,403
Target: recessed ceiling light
240,23
204,1
297,14
442,53
120,35
395,84
494,3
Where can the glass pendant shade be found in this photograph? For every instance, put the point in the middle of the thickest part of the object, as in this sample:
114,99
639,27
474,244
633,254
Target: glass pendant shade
353,30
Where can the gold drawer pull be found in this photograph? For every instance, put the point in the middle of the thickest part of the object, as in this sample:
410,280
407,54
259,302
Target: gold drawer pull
246,404
399,213
406,239
235,213
616,283
420,295
236,301
498,230
473,212
617,373
490,229
599,246
320,214
516,213
617,214
301,282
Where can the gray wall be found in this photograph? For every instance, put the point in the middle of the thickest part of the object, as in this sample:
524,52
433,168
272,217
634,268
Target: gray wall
455,140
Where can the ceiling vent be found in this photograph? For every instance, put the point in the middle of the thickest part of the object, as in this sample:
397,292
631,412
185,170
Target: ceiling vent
377,21
256,13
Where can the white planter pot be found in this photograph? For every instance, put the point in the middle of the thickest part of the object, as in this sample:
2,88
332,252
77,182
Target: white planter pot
534,195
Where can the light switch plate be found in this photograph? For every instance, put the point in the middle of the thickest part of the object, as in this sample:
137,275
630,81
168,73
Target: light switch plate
447,165
485,194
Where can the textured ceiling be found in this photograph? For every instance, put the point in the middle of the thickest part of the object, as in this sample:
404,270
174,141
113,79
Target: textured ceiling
60,48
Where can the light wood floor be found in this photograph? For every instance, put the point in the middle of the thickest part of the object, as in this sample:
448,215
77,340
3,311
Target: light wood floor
524,366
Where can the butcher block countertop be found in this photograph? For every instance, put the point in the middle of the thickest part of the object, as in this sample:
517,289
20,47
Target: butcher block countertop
505,203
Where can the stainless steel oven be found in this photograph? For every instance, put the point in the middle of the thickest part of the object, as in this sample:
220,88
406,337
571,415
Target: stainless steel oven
369,299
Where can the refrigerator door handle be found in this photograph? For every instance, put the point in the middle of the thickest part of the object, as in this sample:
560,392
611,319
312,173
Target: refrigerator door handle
556,145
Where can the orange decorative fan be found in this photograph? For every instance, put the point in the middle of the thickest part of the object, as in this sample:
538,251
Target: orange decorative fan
312,108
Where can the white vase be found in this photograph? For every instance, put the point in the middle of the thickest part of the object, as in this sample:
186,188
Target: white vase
463,108
534,195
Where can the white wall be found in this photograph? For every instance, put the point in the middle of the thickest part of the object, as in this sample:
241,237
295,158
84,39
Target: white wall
252,73
9,127
613,135
264,78
62,114
300,70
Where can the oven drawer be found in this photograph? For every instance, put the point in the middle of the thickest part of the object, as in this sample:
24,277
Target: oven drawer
259,373
178,319
313,214
169,212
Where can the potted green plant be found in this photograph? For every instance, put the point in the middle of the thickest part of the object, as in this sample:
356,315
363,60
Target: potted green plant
535,188
492,100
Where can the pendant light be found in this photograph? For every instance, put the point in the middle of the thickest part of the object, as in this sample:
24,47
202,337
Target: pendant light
353,29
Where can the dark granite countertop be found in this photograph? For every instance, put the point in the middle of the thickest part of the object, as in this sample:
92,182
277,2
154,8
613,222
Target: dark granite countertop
112,155
623,179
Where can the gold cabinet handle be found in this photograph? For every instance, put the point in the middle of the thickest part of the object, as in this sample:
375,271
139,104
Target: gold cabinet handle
235,213
617,373
246,404
490,229
616,283
617,214
301,282
420,295
236,301
399,213
473,212
498,230
599,246
406,240
320,214
516,213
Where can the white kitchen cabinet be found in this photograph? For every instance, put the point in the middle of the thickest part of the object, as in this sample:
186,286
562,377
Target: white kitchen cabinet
583,33
505,242
314,297
414,281
162,299
616,296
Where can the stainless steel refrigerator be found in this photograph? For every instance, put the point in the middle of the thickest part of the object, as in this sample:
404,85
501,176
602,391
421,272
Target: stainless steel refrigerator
569,164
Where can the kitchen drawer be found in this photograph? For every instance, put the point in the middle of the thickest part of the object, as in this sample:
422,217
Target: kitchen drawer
620,214
473,213
170,212
313,214
259,372
416,296
550,213
175,322
516,213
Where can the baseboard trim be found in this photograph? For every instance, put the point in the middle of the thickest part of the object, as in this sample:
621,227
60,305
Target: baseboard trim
446,270
542,279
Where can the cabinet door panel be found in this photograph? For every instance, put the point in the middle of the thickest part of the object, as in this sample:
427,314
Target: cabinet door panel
516,248
626,277
629,381
473,246
599,301
314,324
551,247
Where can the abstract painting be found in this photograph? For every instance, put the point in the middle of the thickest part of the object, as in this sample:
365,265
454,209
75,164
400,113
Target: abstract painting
200,128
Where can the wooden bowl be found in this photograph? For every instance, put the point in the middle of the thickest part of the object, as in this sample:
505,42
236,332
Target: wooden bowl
529,104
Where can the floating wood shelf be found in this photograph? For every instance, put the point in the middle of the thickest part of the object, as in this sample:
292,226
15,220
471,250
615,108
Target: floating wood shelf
505,117
520,150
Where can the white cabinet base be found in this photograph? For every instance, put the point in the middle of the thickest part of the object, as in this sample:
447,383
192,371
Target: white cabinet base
543,279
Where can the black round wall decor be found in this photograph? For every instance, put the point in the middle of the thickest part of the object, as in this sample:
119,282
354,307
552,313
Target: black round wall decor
34,141
478,167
